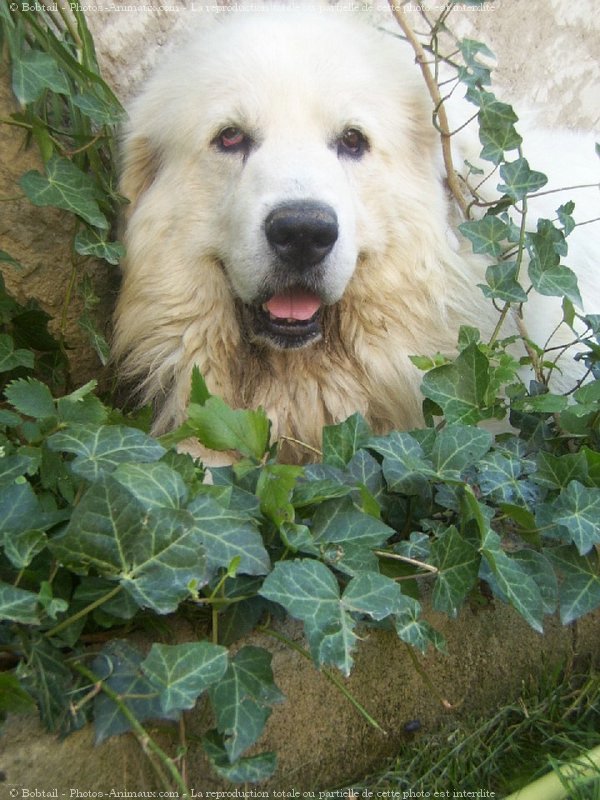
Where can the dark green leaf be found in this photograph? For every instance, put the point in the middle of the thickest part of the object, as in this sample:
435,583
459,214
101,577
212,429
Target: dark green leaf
579,590
31,397
309,591
241,699
90,242
45,675
181,672
405,467
119,666
18,605
155,554
502,283
337,521
458,567
520,180
226,535
514,582
100,449
487,235
154,485
14,699
11,358
65,186
35,71
578,510
340,442
456,447
254,769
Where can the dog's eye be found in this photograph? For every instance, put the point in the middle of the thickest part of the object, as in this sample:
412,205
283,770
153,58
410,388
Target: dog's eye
352,143
232,140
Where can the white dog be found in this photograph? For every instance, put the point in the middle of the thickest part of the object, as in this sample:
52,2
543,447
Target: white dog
288,227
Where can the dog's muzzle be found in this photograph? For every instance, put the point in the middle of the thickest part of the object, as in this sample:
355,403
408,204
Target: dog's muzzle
301,235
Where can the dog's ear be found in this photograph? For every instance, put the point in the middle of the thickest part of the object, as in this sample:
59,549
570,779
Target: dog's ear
139,167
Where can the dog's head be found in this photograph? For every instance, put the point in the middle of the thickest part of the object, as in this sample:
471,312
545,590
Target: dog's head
274,145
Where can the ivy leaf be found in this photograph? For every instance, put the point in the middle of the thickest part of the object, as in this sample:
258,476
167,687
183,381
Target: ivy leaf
415,631
499,476
564,214
487,235
554,281
155,485
90,242
226,535
497,132
181,672
64,186
14,699
405,467
119,666
547,274
458,567
100,109
578,510
12,467
241,699
44,674
19,508
456,447
31,398
155,554
373,594
557,472
513,581
366,471
337,521
11,358
254,769
35,71
502,283
18,605
309,591
100,449
221,428
341,442
21,547
579,589
460,388
519,179
540,569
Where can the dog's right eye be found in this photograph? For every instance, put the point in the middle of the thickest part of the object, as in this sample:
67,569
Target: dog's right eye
232,140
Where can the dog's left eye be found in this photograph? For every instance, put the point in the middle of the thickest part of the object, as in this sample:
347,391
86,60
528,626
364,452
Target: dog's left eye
232,140
352,143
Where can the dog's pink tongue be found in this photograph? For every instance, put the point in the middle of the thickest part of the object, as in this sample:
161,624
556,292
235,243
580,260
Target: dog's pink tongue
293,305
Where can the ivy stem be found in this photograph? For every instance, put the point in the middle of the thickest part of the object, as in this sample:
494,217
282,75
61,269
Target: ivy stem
83,612
427,680
327,674
146,741
413,561
434,91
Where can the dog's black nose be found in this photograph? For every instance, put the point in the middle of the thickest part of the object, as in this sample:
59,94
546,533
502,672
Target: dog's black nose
302,233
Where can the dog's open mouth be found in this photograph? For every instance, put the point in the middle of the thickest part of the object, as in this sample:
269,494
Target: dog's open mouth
291,319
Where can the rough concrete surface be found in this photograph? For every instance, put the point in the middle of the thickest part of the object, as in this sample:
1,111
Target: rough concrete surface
320,739
547,53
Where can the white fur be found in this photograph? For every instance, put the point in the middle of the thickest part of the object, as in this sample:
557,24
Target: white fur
394,284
